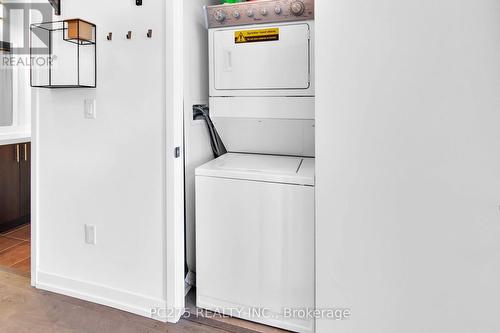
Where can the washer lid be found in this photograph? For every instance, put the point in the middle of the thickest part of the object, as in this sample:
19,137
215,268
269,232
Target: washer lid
266,168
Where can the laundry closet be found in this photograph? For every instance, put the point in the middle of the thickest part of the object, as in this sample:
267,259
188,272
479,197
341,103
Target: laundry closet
249,151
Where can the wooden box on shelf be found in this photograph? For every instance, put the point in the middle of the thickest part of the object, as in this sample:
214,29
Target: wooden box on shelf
80,30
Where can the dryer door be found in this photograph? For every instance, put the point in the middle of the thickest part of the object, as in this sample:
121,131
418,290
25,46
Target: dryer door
266,57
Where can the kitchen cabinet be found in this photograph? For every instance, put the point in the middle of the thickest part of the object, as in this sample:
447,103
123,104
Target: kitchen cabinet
15,184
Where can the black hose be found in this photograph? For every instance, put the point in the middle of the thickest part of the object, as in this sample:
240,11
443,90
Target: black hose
218,148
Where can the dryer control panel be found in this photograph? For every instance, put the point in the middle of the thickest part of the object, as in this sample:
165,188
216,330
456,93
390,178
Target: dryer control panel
257,12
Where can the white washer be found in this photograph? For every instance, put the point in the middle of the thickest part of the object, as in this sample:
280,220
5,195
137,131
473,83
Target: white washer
255,238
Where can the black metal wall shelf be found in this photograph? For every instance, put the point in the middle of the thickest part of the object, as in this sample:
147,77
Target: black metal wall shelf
63,54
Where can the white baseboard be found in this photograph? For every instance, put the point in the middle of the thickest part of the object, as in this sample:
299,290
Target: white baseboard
119,299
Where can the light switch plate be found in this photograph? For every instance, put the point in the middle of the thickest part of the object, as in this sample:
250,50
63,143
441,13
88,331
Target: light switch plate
90,109
90,234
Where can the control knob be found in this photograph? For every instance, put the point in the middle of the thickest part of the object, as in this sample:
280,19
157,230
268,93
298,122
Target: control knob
297,8
250,12
263,11
220,15
277,10
236,14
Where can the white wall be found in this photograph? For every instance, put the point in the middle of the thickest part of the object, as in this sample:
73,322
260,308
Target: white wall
408,160
108,172
197,141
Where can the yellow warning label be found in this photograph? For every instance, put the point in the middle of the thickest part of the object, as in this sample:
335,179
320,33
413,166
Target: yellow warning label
252,36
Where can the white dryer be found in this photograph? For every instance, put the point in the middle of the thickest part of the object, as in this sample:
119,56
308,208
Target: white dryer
261,72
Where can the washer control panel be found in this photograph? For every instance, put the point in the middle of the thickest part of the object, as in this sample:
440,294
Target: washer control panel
256,12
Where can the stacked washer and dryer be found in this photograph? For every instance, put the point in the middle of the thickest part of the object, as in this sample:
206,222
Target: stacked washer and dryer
255,204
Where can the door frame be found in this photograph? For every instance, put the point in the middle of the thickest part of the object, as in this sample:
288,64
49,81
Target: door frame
174,110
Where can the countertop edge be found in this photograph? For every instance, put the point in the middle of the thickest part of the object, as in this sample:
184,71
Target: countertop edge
6,139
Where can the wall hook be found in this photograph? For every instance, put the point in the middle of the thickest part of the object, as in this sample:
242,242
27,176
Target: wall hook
109,36
129,35
150,33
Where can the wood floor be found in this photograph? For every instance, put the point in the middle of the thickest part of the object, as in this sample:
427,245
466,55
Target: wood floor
25,309
15,249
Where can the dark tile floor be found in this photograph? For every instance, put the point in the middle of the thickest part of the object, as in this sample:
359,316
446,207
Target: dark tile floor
15,249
